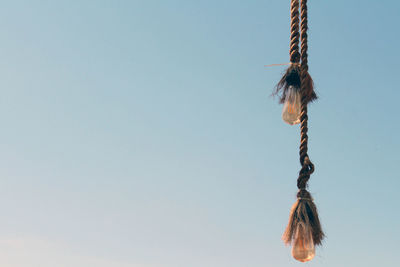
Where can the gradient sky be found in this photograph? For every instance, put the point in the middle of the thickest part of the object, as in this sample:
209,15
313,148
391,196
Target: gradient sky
143,134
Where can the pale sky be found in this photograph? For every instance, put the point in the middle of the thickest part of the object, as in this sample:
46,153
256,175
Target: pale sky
142,134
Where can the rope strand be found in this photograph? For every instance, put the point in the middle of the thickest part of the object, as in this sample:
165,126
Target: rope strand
294,32
307,166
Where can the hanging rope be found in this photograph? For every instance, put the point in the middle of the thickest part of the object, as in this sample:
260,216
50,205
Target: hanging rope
308,94
307,167
304,215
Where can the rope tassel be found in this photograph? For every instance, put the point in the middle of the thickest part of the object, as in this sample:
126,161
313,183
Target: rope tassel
304,230
291,78
304,213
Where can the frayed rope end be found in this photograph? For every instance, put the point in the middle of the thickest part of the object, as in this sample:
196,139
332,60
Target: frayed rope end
304,212
308,88
292,77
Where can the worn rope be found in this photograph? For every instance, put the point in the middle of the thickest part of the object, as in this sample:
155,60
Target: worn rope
307,166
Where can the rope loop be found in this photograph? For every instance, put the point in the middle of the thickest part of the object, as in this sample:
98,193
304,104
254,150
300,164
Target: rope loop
308,166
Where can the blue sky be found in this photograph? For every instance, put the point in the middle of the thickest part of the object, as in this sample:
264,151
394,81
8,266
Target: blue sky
142,133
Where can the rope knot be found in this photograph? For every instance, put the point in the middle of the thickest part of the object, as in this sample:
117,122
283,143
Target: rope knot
304,194
304,175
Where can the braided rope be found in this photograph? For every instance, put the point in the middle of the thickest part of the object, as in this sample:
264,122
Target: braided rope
307,166
294,32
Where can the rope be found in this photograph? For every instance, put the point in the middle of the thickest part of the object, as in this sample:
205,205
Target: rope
294,32
304,211
307,166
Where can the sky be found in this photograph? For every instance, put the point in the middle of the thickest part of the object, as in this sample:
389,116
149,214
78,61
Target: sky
143,133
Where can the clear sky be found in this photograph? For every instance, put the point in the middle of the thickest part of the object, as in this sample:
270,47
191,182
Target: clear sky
143,134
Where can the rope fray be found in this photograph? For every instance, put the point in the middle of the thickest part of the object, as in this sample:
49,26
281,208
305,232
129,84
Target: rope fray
282,64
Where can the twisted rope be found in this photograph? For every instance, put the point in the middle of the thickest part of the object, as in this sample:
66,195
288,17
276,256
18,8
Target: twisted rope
304,210
307,166
294,32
